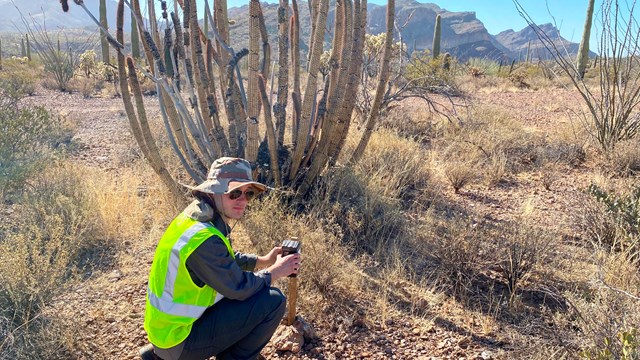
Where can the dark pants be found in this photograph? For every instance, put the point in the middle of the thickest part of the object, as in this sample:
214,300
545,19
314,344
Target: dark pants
234,329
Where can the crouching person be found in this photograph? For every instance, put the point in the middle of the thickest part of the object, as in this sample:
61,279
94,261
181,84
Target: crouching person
204,299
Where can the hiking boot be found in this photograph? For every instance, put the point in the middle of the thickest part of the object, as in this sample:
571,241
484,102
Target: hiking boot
146,353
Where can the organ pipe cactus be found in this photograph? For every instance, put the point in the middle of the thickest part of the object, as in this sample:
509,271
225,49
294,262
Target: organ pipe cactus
135,38
104,44
246,123
583,50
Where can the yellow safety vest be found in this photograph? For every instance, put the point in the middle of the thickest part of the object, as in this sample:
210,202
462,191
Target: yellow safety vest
174,302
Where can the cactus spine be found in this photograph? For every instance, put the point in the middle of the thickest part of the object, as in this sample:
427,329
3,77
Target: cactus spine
583,50
437,33
104,44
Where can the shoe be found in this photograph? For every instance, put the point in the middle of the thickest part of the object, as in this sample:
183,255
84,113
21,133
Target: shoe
146,353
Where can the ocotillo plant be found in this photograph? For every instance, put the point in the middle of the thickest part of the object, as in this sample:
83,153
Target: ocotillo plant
0,54
194,118
104,44
437,34
583,50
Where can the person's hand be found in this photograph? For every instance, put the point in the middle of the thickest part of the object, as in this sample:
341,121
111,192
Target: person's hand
270,258
285,266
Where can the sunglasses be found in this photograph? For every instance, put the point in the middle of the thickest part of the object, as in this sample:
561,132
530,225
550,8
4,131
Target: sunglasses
237,193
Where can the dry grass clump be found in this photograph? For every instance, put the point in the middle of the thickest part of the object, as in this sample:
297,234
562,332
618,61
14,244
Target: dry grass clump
459,173
43,248
415,126
624,159
492,141
459,247
369,200
606,313
130,205
522,248
325,273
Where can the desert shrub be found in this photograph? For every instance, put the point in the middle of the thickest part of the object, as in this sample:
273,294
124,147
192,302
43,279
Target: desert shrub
429,73
26,137
606,312
623,213
459,173
40,251
459,246
482,66
624,159
625,343
522,247
368,201
17,79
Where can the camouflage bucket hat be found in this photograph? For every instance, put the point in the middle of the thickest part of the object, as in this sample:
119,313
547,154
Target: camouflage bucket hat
224,171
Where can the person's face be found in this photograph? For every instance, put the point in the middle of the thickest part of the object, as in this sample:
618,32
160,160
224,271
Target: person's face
233,206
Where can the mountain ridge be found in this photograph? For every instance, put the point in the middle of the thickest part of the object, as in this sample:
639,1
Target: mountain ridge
463,34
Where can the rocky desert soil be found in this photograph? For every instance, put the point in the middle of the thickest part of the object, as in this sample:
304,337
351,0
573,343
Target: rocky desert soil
109,305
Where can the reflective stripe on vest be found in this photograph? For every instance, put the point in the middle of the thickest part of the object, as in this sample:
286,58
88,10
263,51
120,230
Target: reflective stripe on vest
171,310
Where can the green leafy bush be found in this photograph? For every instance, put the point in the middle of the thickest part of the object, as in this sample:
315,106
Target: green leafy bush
17,79
625,346
26,135
625,211
430,73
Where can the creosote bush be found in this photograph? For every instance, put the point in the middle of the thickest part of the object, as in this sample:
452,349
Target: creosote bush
17,79
26,137
430,73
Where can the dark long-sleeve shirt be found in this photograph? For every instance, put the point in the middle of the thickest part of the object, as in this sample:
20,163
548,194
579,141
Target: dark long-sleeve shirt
211,264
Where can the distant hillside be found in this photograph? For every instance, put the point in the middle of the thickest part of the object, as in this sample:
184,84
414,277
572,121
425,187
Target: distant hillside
49,12
463,35
525,40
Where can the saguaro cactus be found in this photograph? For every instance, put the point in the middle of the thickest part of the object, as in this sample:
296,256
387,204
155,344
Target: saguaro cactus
583,50
28,45
104,44
437,33
192,117
23,51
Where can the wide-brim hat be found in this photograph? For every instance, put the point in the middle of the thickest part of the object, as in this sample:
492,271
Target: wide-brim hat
223,172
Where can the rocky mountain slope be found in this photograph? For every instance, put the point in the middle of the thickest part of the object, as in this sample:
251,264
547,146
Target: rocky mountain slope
463,35
525,40
49,14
